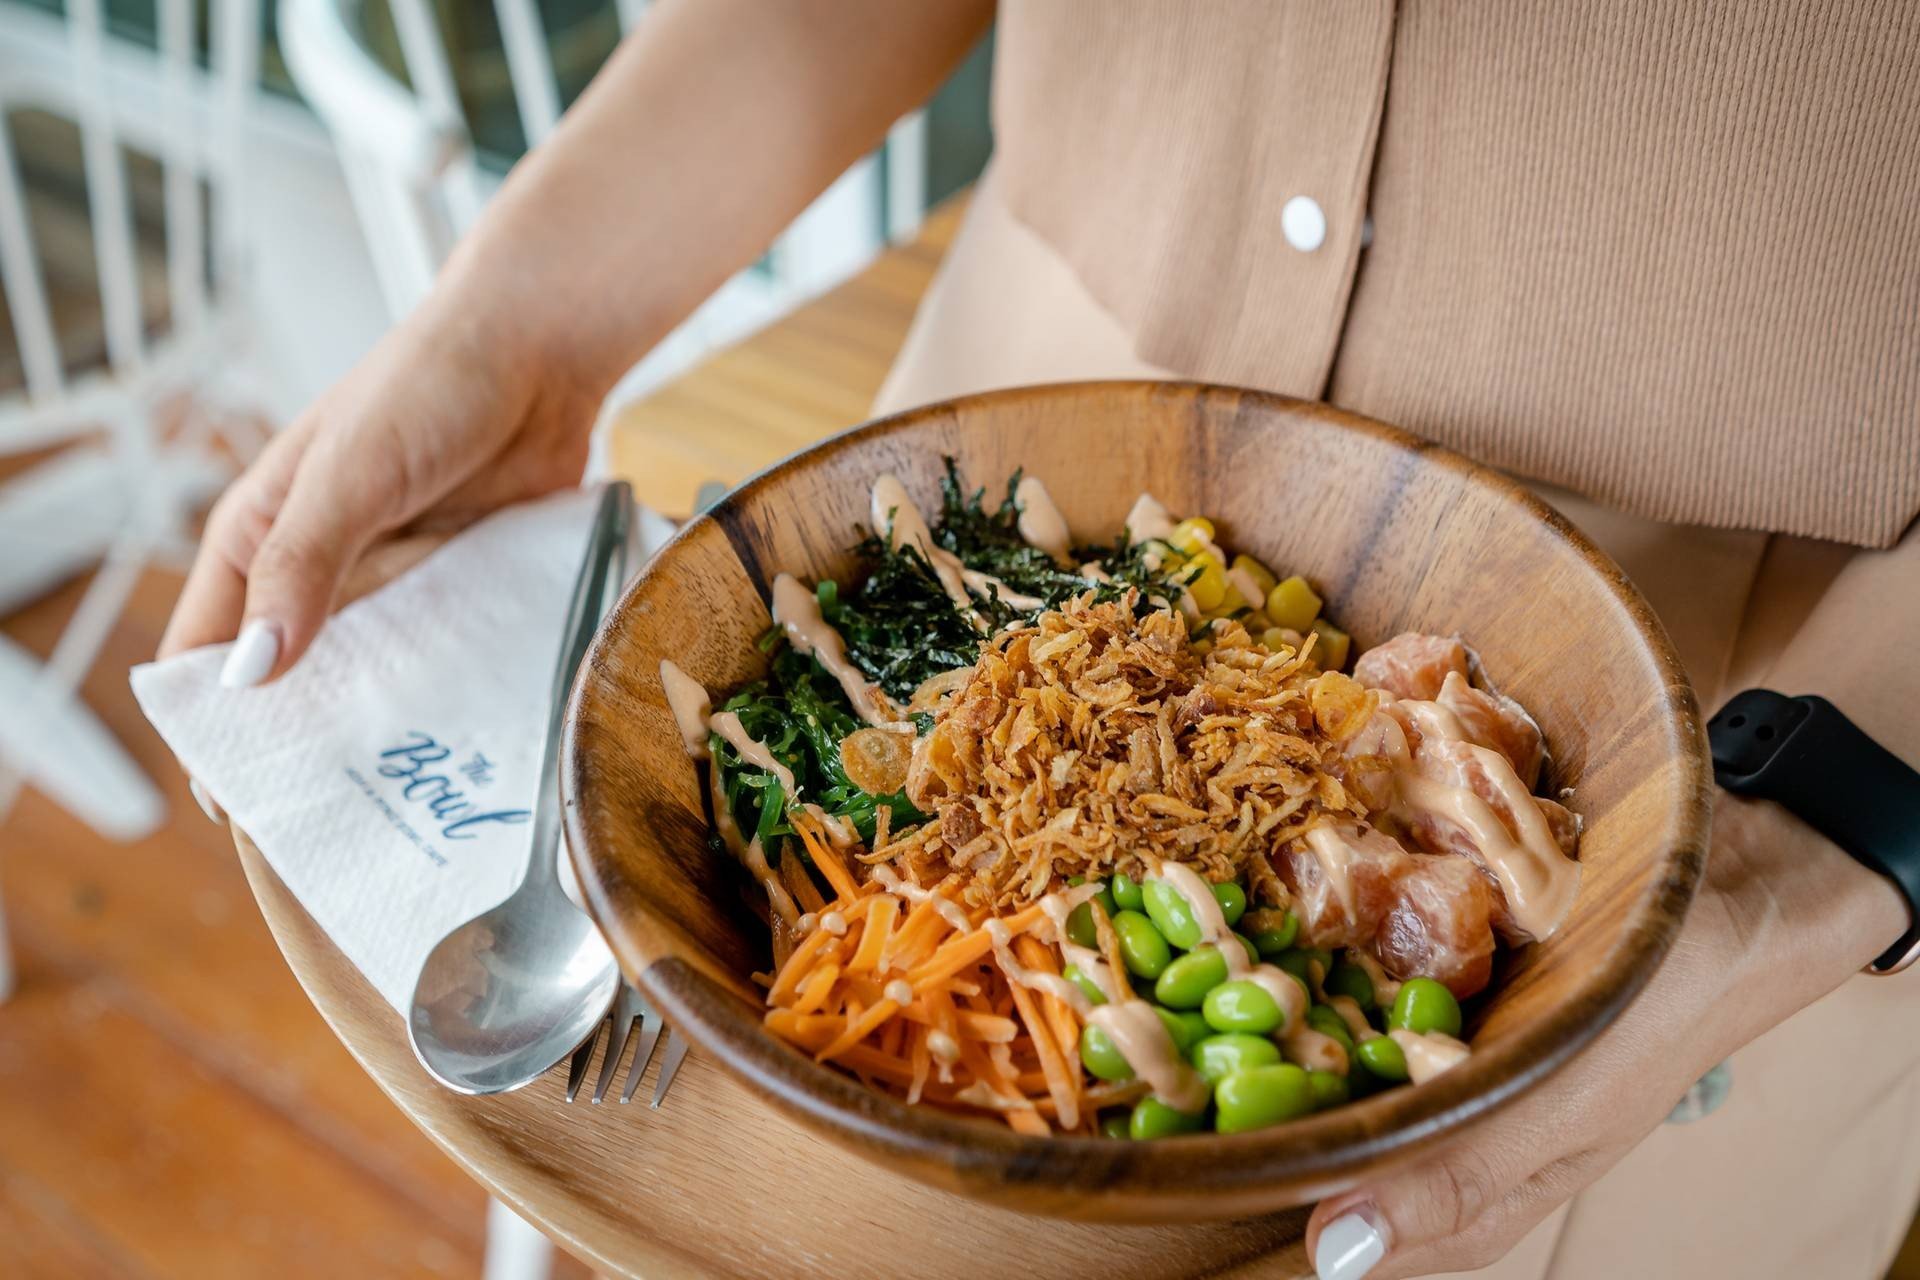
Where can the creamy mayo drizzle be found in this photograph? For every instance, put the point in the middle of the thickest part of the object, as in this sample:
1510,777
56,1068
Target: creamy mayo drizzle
1142,1039
1034,979
1335,856
1429,1054
1538,880
1148,521
797,610
750,854
751,749
987,584
943,1047
893,510
1385,985
1357,1025
840,832
1041,523
1057,907
946,908
689,704
1244,583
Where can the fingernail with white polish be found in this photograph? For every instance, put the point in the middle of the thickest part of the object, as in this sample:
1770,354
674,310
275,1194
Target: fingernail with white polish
1349,1247
205,801
252,655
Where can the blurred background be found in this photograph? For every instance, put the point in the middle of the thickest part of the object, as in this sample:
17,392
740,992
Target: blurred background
208,210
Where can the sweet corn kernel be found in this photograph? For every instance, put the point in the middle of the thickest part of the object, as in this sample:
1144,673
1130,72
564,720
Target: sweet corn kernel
1275,639
1208,586
1293,604
1261,576
1331,649
1192,535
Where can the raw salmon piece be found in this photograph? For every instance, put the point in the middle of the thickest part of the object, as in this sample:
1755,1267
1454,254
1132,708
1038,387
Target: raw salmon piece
1369,862
1490,776
1440,925
1412,665
1497,721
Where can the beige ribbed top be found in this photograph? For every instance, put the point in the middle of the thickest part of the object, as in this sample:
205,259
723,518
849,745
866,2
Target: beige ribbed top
1667,255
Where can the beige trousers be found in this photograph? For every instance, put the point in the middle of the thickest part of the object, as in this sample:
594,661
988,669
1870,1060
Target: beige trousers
1811,1169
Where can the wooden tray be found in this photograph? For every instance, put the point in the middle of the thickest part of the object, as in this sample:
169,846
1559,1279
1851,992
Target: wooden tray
717,1183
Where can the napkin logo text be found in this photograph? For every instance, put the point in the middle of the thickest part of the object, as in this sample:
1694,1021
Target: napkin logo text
412,763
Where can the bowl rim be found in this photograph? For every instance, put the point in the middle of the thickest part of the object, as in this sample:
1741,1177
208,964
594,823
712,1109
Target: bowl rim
1314,1152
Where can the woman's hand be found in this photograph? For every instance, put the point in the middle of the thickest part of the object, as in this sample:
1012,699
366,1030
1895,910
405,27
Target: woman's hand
449,418
1782,918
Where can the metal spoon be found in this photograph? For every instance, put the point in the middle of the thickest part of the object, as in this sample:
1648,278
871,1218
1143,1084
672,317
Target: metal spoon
515,989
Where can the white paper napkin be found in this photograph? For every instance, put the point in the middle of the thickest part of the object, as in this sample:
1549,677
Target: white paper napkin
389,777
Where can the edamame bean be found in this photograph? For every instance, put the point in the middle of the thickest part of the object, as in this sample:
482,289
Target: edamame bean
1383,1058
1114,1125
1102,1056
1272,941
1080,926
1172,914
1217,1057
1294,960
1424,1005
1328,1022
1241,1005
1351,980
1260,1096
1246,944
1188,979
1088,987
1142,948
1153,1118
1322,957
1126,893
1329,1089
1232,899
1186,1027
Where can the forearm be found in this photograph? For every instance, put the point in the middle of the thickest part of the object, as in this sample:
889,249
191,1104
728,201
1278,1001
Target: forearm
712,126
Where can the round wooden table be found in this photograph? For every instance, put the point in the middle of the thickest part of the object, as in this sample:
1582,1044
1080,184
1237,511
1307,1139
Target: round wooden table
716,1182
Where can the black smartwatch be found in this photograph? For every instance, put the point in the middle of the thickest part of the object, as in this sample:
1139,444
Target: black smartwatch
1805,755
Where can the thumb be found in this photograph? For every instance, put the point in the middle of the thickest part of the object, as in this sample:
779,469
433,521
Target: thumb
1392,1226
324,525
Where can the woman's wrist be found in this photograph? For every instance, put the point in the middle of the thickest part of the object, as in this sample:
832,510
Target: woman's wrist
1787,916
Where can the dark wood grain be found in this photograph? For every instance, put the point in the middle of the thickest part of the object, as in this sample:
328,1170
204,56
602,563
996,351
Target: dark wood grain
1407,535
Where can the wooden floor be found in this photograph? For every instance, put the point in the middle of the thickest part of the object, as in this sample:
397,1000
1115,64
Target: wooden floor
170,1104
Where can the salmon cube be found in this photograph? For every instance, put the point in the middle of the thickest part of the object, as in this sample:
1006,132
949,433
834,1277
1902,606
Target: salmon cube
1496,721
1342,877
1440,925
1412,665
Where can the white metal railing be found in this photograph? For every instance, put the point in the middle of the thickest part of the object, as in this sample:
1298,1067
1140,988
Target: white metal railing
417,182
126,497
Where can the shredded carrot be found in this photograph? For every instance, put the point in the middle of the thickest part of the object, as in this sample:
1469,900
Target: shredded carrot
816,989
1061,1086
881,912
827,861
858,1029
799,965
958,953
793,874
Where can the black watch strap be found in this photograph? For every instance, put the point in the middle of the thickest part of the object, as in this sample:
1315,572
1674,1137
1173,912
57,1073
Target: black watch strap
1804,754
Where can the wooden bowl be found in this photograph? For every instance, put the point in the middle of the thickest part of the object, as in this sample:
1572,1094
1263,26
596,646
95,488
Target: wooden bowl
1398,533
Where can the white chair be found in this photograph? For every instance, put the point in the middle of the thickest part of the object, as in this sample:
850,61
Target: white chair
417,179
152,417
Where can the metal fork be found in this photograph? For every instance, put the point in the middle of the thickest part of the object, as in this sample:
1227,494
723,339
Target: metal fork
629,1007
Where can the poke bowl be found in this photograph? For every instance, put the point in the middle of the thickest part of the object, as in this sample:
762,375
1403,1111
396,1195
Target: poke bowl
1135,801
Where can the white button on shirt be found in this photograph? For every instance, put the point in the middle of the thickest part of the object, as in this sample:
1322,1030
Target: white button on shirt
1303,223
